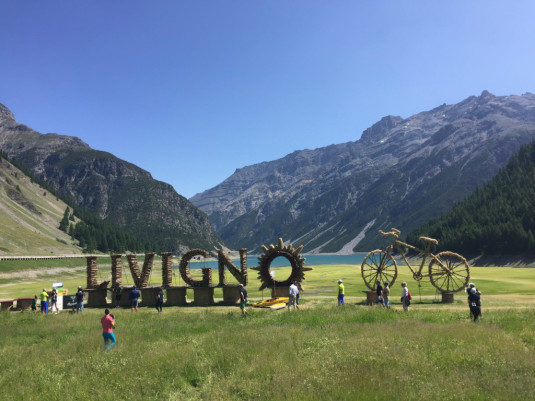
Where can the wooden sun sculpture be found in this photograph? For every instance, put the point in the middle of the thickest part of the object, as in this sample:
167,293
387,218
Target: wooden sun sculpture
286,251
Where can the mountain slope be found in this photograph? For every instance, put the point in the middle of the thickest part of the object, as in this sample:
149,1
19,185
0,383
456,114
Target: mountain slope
29,217
401,173
115,190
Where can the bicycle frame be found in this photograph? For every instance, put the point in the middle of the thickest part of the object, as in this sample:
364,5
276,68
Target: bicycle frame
424,253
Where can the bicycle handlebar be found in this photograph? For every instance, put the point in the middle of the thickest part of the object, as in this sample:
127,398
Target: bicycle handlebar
393,233
431,240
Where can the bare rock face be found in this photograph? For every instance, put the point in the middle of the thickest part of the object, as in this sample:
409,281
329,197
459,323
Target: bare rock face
6,114
400,173
113,189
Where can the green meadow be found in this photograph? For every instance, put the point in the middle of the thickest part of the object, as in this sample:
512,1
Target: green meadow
321,352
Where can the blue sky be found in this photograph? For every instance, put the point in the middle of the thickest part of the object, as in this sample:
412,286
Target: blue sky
190,90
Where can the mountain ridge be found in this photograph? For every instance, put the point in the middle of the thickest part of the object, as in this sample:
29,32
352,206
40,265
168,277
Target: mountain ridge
115,190
400,172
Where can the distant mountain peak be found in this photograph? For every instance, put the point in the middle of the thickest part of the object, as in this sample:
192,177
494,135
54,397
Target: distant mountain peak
6,114
377,130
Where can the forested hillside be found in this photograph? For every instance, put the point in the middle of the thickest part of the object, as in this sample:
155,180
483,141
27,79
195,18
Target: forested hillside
30,219
498,218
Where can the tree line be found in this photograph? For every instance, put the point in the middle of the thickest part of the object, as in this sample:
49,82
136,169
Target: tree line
94,234
497,218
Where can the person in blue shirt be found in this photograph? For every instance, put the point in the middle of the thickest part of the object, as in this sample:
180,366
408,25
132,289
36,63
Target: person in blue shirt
134,298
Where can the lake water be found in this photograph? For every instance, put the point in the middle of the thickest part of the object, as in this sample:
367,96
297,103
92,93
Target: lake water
310,260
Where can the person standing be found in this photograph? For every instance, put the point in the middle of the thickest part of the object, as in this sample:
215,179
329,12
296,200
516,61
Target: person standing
405,301
386,296
292,293
44,304
468,290
379,291
298,297
80,299
134,298
243,300
341,292
54,300
108,324
34,304
474,300
118,293
159,300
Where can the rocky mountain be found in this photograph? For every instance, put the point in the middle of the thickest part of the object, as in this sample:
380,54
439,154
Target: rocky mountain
113,189
400,173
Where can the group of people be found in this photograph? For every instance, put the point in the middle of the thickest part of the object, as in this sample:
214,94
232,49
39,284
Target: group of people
46,299
108,320
383,297
51,299
383,294
133,298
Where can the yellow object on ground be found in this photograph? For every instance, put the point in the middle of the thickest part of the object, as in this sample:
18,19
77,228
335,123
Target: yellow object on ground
272,303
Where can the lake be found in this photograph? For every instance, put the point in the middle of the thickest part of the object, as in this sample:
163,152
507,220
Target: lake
310,260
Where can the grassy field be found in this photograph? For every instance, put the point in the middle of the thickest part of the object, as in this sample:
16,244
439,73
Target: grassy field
320,352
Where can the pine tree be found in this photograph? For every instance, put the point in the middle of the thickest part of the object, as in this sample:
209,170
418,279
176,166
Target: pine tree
64,223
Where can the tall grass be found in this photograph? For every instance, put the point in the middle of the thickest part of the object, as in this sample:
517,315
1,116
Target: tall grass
317,353
321,352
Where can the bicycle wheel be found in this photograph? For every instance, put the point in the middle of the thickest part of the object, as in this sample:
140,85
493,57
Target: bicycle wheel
378,265
455,278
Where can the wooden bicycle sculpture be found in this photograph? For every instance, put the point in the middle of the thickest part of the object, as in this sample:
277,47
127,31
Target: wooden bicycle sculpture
448,271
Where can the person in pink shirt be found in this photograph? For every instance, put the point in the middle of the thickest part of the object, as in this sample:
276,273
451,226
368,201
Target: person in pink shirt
108,324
